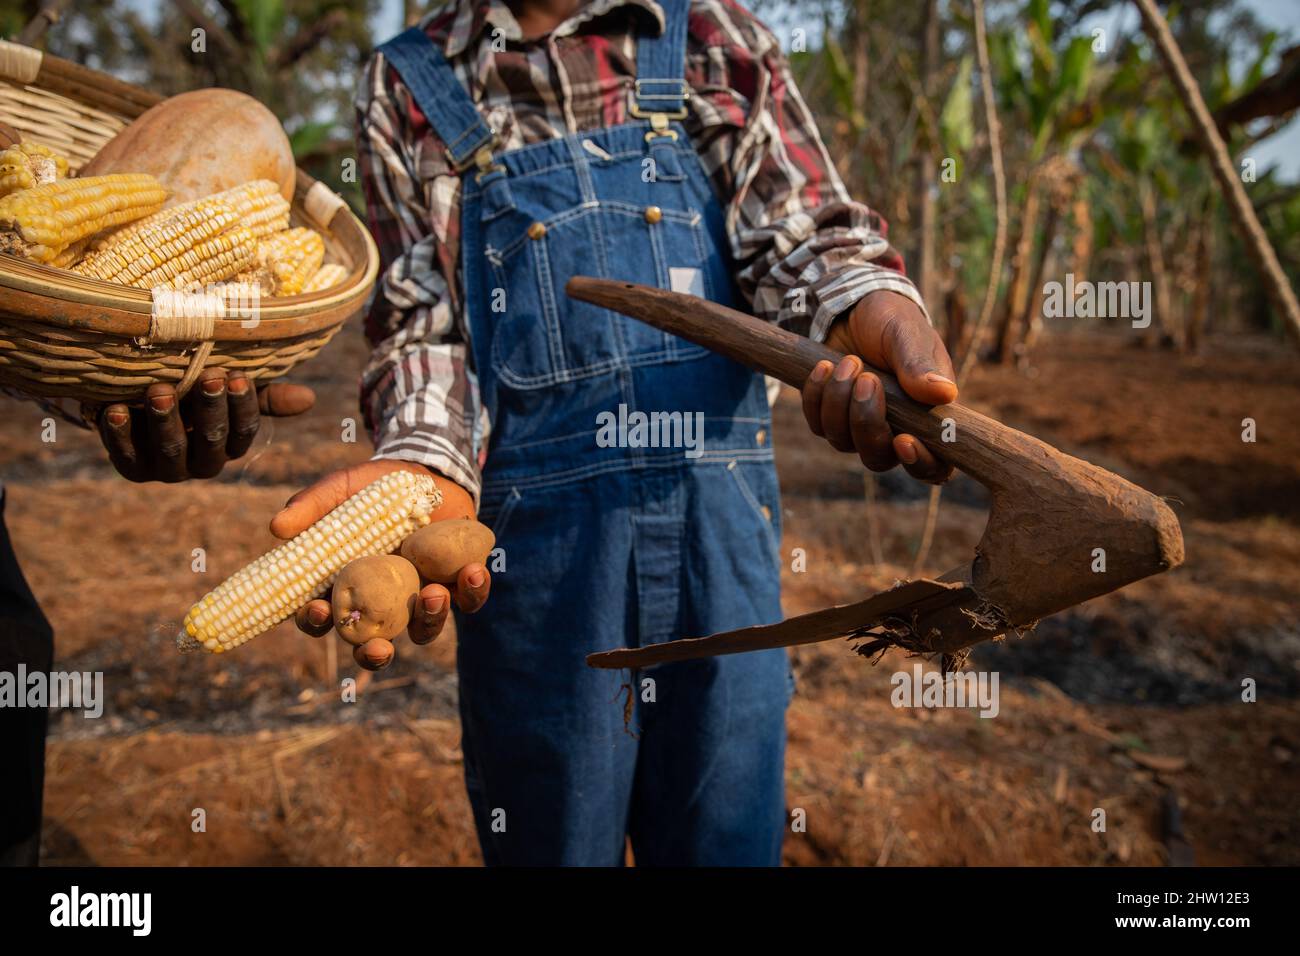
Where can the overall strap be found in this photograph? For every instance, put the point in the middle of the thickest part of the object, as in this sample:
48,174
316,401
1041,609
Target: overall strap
441,98
660,93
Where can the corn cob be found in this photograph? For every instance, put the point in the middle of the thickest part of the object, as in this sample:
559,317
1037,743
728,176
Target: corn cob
258,204
373,521
292,256
202,245
326,277
25,165
163,239
261,208
219,258
41,222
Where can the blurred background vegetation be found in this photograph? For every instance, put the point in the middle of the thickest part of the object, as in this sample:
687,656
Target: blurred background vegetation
1105,179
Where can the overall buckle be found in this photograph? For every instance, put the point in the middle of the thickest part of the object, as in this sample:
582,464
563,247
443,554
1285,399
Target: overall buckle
659,118
481,157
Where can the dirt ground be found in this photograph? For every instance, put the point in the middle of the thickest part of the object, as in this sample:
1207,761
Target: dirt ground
1130,704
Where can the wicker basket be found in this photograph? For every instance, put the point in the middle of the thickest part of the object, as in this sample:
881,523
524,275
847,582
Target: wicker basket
65,335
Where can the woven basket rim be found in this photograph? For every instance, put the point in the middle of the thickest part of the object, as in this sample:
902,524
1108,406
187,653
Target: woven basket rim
74,301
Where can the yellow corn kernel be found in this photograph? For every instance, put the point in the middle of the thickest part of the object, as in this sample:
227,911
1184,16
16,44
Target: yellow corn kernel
70,256
41,222
164,241
254,599
224,255
292,256
25,165
326,277
202,244
261,208
258,204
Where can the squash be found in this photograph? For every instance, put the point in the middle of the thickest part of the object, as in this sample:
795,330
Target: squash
200,143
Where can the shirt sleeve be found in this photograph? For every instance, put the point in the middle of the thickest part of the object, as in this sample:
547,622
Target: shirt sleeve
805,251
419,398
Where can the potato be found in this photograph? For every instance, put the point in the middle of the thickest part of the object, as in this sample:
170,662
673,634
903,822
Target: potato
9,136
441,549
374,598
200,143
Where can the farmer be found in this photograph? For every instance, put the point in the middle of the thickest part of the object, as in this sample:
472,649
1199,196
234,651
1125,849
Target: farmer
504,148
167,441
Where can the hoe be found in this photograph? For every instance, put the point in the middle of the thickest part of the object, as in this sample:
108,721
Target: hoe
1050,513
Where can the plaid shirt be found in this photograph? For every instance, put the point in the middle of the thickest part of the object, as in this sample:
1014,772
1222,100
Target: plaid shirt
805,252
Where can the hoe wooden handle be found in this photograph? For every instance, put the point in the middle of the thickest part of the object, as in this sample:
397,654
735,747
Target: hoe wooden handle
985,449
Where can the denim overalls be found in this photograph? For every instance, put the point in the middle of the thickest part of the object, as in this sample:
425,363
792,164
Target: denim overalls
611,543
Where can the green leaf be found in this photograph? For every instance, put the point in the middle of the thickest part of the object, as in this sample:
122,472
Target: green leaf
1039,15
265,21
841,80
1042,56
1256,71
1008,83
956,122
306,138
1076,70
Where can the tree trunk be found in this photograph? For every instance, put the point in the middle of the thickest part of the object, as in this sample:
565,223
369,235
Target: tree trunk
1159,332
853,144
1018,290
1199,311
971,351
1031,321
927,178
1081,247
862,56
955,310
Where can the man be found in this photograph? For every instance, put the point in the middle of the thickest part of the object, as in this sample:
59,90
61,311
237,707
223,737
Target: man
504,149
168,440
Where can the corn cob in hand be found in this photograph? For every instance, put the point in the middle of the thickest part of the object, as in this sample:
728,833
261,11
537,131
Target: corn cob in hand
41,222
373,521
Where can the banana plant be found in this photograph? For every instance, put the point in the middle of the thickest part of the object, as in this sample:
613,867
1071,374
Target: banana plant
1052,87
1176,196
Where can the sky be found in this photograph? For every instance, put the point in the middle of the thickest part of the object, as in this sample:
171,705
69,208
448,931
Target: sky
1282,149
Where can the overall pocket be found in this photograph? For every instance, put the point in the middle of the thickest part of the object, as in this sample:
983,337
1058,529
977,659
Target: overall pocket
543,337
666,247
